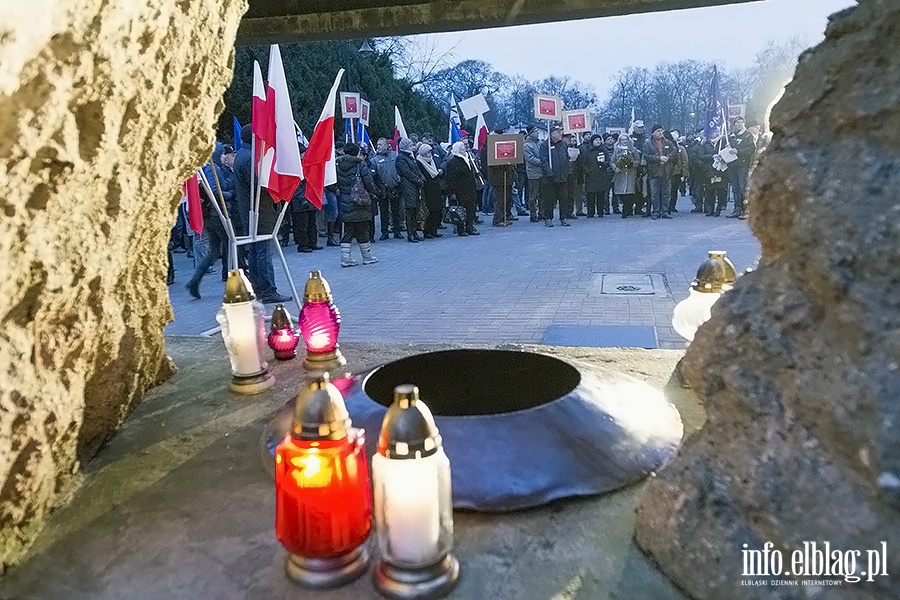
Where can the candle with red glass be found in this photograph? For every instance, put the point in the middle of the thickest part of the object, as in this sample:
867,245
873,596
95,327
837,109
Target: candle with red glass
323,497
283,340
320,323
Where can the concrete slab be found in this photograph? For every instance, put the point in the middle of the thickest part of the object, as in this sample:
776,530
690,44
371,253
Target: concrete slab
178,506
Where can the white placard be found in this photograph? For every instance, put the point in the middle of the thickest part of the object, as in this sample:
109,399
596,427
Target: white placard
474,106
350,102
364,108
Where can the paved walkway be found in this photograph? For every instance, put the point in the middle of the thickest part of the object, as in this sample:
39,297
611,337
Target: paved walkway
520,284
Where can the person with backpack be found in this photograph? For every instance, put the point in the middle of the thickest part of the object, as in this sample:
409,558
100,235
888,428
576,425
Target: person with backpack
357,188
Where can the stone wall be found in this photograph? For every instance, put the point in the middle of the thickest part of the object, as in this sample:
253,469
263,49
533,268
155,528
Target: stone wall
105,108
798,367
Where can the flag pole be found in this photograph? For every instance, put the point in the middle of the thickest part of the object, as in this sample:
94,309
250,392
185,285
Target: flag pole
549,147
219,187
287,271
252,181
255,206
226,223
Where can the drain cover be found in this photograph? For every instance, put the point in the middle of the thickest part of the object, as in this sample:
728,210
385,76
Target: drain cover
627,284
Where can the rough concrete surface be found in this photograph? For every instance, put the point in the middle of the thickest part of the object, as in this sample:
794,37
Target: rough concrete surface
798,366
105,108
178,506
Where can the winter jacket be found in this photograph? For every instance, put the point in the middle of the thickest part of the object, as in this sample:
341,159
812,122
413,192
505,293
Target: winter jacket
681,165
745,146
299,203
225,178
348,169
410,180
268,214
708,174
432,189
597,166
652,154
625,180
460,180
557,170
386,170
533,168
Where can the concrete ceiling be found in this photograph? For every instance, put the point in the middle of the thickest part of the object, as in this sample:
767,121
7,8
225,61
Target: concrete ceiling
269,21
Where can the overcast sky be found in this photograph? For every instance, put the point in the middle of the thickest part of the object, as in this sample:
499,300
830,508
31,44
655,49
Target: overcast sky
593,50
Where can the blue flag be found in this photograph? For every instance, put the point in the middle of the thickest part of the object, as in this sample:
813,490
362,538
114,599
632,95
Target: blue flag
348,131
237,134
362,135
715,109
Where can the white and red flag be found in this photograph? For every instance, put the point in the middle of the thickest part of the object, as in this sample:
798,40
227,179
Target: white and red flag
191,189
318,160
399,129
285,172
481,132
263,121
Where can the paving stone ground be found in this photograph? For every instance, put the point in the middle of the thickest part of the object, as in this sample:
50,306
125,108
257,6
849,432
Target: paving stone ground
519,284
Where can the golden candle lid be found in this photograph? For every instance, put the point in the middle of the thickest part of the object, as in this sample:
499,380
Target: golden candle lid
320,412
716,274
281,319
238,288
408,430
317,289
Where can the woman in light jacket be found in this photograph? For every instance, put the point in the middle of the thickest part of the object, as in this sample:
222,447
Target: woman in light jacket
625,178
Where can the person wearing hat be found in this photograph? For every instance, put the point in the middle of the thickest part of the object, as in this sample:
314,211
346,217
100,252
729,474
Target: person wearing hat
596,164
410,186
641,195
556,168
659,155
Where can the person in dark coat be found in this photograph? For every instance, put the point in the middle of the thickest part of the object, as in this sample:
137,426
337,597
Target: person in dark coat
433,181
659,154
356,213
259,258
715,181
460,180
596,164
410,186
556,166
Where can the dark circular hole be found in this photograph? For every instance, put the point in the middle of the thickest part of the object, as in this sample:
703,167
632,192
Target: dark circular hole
457,383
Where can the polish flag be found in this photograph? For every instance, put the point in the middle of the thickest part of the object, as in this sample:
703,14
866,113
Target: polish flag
191,189
318,160
263,121
286,172
399,129
481,132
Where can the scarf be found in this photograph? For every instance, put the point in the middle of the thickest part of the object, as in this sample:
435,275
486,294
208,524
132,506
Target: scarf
428,163
459,149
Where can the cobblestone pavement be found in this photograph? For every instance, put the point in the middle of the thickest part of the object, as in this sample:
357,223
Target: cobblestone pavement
520,284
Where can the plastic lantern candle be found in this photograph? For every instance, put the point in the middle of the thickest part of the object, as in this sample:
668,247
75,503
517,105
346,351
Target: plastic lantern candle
320,323
715,276
283,339
323,499
243,330
413,504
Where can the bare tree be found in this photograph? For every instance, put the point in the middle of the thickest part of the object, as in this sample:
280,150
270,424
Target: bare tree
416,59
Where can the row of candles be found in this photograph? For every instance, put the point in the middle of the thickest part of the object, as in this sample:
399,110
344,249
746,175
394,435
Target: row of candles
324,506
324,497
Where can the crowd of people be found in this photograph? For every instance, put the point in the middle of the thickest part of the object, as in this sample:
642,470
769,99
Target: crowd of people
417,187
